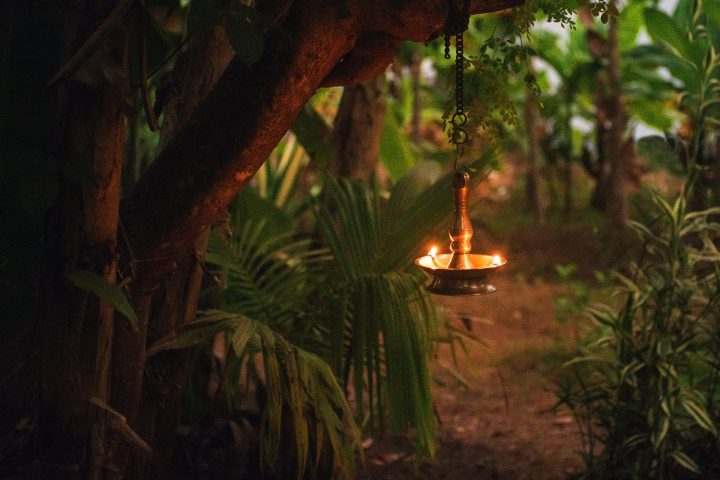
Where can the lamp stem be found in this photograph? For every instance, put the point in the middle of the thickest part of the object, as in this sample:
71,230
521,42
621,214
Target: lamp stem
461,230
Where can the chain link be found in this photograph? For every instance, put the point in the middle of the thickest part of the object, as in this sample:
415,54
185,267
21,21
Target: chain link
456,24
459,71
459,135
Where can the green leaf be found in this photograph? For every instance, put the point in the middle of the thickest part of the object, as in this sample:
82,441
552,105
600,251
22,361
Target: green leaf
712,8
700,415
631,19
686,462
653,56
663,29
107,292
655,113
396,154
260,212
242,335
194,333
660,434
245,39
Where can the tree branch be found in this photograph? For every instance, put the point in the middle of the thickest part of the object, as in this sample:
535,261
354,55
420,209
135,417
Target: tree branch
370,57
229,137
421,21
221,147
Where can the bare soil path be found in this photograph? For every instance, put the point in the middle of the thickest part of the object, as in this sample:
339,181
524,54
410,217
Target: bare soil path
501,424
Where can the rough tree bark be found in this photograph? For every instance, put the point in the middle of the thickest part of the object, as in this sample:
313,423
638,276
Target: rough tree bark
196,71
358,129
616,200
614,154
81,235
183,193
534,175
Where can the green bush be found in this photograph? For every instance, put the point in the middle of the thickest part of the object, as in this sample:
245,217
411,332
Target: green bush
646,394
323,325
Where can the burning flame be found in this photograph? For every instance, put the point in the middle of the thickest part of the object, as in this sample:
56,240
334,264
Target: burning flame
496,260
432,252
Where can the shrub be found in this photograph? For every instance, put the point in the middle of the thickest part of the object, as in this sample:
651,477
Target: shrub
645,394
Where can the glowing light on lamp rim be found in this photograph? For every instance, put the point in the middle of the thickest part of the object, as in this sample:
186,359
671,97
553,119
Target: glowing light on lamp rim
497,260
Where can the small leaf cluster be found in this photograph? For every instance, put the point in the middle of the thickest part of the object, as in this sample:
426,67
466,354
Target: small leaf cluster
604,10
500,61
503,61
556,11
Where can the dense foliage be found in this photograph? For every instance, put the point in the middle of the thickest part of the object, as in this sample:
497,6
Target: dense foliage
646,392
313,313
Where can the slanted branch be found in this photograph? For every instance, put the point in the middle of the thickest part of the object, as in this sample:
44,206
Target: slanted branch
229,137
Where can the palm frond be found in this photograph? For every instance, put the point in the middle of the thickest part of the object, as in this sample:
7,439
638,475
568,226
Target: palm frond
382,333
278,177
268,279
300,388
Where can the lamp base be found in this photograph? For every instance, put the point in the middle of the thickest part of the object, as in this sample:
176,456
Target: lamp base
461,286
474,279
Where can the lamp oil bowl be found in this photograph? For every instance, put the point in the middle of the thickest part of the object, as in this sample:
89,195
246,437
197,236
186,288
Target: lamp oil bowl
460,272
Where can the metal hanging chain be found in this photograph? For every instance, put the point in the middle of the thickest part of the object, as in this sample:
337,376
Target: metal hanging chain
456,24
459,118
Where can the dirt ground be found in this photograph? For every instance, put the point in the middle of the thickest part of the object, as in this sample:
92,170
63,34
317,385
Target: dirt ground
501,425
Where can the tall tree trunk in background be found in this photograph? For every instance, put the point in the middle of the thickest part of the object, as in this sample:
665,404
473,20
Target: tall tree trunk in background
534,177
616,200
81,234
196,71
567,183
567,162
358,129
415,78
610,166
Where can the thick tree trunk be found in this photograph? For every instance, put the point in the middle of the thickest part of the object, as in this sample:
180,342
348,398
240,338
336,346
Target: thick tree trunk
358,129
534,176
81,235
611,164
196,71
242,119
616,200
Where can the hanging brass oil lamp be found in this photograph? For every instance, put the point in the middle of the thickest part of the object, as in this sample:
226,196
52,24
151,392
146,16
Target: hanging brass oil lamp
459,272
